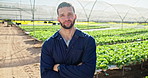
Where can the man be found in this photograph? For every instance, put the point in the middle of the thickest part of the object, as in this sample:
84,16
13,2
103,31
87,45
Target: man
69,53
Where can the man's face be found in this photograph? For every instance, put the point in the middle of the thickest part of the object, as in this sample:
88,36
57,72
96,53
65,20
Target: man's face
66,17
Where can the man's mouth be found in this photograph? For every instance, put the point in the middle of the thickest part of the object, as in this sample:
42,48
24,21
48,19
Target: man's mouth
68,22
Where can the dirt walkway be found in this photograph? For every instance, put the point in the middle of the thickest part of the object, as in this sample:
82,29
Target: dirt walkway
19,57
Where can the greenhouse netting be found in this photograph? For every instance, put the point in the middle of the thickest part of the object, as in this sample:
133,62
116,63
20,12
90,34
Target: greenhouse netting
86,10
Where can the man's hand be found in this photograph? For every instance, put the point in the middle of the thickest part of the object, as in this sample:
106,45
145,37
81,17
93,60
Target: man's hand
55,67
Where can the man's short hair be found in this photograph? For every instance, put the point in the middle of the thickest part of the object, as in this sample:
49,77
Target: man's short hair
65,4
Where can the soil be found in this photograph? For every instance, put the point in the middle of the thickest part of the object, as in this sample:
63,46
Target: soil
20,55
133,71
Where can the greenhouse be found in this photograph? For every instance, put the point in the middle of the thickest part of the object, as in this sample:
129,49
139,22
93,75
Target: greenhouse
119,27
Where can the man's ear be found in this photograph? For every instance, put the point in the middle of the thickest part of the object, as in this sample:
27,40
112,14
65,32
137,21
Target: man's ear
75,16
58,19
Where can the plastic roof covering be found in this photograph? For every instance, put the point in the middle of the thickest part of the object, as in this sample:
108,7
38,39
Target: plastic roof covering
85,10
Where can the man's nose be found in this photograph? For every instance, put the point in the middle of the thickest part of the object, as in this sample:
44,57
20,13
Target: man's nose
67,17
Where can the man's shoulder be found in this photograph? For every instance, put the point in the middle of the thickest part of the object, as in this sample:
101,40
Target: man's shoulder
87,39
85,35
50,39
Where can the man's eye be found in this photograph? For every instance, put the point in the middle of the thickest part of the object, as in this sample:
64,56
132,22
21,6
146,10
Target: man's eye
69,14
61,15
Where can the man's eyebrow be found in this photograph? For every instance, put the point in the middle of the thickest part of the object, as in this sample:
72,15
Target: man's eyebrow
68,12
61,13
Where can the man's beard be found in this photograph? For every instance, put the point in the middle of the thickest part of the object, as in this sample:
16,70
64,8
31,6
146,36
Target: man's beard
71,25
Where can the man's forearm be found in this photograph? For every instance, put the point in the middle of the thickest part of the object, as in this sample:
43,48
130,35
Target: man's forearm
55,67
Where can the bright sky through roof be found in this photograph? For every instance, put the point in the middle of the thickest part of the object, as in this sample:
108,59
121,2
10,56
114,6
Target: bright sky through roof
134,3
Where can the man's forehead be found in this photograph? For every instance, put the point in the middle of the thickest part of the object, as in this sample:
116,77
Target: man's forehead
65,9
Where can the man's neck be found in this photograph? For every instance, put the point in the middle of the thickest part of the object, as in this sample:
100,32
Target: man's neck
67,33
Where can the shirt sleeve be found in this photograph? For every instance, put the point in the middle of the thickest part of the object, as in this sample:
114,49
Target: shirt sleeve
87,69
47,63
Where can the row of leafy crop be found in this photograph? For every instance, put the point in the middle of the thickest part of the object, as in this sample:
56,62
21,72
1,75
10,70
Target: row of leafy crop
56,27
42,35
121,54
113,32
106,37
40,28
85,27
117,54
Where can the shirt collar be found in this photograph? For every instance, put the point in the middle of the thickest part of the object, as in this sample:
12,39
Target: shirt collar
77,33
56,34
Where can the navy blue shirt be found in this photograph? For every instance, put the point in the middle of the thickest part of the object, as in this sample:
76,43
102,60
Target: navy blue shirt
82,49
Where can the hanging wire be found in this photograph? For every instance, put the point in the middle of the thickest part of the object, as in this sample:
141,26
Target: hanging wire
20,10
33,10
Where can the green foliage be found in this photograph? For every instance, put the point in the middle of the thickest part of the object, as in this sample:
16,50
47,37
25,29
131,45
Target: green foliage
106,37
122,54
40,28
42,35
121,47
44,32
83,27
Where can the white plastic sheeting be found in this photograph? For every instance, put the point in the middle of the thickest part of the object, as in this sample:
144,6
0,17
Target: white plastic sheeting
86,10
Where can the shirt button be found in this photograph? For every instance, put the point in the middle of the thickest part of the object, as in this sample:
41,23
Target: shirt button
72,47
66,50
